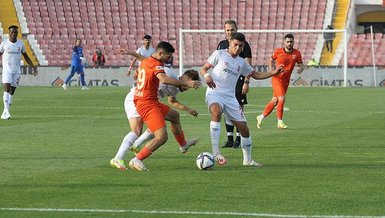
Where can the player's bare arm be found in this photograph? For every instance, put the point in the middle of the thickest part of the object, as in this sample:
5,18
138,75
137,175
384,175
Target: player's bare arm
245,87
178,105
262,75
131,66
176,82
122,51
28,60
209,80
271,64
136,56
133,62
300,68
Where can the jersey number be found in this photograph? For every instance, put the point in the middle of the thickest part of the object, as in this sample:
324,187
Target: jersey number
141,78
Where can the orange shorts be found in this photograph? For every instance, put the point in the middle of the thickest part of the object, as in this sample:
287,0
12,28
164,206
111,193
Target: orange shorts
279,89
152,113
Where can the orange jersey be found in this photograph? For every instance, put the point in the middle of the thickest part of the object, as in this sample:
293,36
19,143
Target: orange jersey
146,94
147,84
288,60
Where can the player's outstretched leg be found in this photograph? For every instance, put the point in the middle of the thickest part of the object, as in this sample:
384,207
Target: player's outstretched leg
246,151
280,124
259,121
188,144
127,142
147,135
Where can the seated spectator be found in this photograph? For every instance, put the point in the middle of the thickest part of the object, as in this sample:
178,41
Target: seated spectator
98,58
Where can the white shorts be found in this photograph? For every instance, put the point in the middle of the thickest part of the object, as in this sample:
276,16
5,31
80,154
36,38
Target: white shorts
129,105
230,106
12,78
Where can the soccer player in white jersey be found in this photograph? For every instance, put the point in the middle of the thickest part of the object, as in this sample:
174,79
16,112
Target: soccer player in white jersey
227,67
11,50
146,51
132,140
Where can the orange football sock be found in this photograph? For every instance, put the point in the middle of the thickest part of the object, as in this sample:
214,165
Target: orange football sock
180,139
280,109
144,153
268,109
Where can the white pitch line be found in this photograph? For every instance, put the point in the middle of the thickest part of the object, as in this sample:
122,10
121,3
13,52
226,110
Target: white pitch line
181,113
180,212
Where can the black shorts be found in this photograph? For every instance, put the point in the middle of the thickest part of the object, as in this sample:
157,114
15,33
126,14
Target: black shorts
242,100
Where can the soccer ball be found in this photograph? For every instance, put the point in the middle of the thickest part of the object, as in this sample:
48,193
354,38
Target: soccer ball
205,161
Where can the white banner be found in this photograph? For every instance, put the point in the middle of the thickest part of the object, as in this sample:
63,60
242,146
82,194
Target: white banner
110,76
55,76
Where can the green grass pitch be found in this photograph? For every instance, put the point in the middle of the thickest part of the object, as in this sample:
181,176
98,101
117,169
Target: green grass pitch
55,152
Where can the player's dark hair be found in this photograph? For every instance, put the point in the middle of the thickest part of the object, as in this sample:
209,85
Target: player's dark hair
289,36
165,46
147,37
192,74
231,22
238,36
13,26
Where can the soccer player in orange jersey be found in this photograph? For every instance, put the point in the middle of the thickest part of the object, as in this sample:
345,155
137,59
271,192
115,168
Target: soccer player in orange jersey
153,112
287,56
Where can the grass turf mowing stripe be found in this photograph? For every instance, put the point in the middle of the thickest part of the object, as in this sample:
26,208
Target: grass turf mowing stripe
179,212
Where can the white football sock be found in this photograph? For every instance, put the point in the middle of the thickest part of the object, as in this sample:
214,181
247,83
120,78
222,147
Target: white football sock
246,148
147,135
128,140
10,99
6,101
215,131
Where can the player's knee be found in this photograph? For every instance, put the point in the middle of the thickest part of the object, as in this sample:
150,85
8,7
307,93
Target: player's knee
281,98
162,139
216,112
137,132
244,131
173,116
137,129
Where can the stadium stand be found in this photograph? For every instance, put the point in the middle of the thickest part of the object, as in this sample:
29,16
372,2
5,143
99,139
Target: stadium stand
360,49
121,23
8,17
110,24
